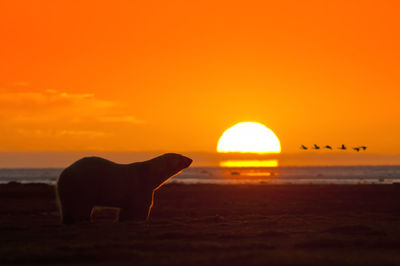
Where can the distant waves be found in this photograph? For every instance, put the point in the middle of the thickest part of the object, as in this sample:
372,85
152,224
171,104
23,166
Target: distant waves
217,175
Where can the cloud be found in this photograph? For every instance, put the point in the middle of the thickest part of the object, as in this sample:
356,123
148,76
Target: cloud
20,84
51,99
57,115
51,106
61,133
119,119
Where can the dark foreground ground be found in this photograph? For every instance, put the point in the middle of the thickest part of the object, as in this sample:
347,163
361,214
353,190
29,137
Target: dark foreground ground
213,225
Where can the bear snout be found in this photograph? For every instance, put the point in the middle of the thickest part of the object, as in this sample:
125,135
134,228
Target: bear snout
187,161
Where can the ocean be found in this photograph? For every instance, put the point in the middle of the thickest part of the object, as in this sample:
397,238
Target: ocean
261,175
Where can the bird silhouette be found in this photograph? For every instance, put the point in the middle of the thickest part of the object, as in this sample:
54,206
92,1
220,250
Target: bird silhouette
303,147
316,147
328,147
357,149
342,147
363,147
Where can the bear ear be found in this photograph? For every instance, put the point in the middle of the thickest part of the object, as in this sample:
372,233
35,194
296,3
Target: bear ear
170,155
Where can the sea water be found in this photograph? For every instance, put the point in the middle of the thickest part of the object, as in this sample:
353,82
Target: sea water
261,175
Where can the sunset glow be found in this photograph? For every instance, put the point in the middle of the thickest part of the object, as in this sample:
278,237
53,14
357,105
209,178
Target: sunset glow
160,76
249,137
259,132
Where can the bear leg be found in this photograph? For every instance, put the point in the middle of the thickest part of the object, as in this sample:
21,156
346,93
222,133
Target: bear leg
66,217
65,213
82,213
67,220
76,213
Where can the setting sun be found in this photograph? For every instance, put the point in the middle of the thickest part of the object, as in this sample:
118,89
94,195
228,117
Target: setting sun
249,137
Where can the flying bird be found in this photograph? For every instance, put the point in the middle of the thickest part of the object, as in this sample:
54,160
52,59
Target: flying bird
363,147
303,147
328,147
316,147
342,147
356,149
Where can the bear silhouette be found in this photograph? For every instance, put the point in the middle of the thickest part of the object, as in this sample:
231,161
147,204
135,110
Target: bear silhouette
94,181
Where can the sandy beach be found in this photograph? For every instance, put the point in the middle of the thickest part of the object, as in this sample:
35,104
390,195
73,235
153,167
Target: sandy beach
213,225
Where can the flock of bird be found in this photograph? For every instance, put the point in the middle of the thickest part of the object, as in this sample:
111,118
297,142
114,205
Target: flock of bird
343,147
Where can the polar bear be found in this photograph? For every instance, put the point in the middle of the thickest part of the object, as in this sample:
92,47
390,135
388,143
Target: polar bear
94,181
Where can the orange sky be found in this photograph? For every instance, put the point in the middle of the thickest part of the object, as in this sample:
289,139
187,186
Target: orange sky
173,75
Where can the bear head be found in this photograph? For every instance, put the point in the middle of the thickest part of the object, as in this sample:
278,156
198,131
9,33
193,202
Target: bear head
169,165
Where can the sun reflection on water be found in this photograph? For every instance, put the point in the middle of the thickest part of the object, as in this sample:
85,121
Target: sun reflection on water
249,163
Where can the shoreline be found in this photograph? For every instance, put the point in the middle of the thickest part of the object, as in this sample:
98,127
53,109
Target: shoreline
252,182
217,175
